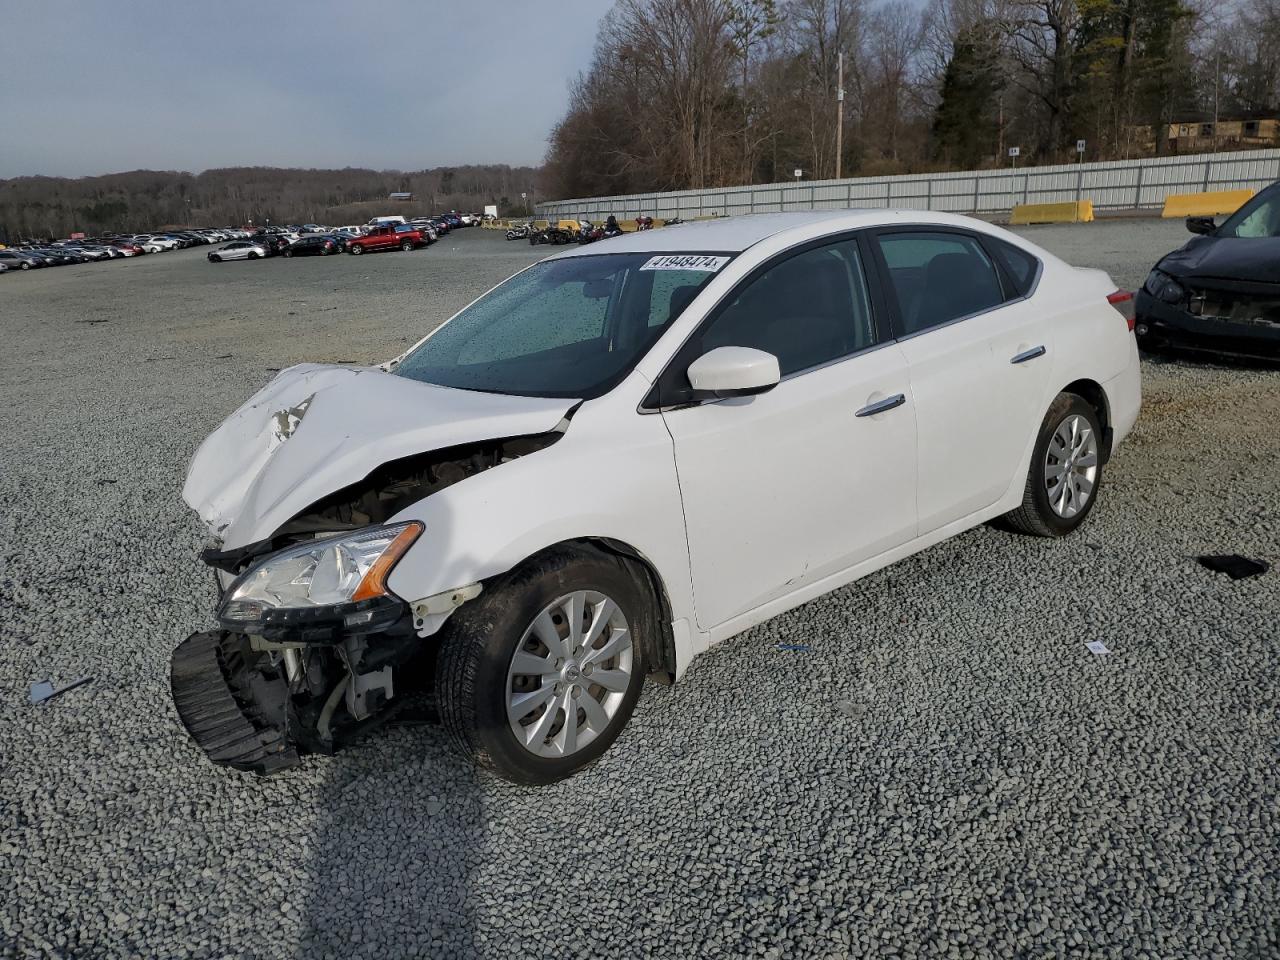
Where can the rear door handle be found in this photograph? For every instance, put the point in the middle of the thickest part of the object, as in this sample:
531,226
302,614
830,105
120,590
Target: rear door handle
1026,355
880,406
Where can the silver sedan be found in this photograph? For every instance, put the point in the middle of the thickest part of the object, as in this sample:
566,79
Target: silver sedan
240,250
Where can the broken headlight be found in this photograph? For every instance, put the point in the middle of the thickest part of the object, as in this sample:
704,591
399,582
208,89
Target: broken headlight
337,572
1163,287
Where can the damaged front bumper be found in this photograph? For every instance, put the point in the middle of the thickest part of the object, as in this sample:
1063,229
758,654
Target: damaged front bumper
236,714
260,705
1229,320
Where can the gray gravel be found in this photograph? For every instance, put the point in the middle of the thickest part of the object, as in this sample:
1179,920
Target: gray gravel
945,772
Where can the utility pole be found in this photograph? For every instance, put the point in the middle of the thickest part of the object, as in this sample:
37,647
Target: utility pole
1217,74
839,110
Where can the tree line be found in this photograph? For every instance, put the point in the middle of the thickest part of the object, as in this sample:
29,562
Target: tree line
685,94
147,199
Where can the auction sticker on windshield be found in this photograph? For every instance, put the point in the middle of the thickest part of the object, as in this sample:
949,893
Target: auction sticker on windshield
686,262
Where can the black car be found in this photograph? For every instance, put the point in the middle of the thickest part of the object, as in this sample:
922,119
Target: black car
1220,293
273,243
59,258
317,246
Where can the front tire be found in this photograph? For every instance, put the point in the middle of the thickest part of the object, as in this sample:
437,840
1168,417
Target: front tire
407,246
357,250
1066,470
539,674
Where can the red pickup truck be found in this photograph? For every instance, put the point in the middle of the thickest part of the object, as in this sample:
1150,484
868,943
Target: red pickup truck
390,237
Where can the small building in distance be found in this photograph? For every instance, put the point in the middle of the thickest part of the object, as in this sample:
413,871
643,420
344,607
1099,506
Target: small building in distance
401,196
1199,133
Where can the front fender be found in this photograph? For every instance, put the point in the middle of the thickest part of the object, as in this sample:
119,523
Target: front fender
605,479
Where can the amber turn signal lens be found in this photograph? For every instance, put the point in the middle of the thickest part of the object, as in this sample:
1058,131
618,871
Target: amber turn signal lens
374,583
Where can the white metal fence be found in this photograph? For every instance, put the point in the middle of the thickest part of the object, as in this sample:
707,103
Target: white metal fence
1121,185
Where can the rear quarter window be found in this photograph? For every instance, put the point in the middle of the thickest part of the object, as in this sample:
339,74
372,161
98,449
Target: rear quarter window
1020,267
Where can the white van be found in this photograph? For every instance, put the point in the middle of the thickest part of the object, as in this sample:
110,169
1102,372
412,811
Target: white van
383,221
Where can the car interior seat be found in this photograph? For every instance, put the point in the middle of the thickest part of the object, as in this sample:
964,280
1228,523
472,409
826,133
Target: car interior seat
953,287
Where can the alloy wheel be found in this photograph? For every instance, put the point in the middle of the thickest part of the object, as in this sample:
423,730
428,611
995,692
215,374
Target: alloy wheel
570,674
1071,466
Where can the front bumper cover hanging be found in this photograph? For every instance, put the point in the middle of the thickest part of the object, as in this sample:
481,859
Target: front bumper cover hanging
237,728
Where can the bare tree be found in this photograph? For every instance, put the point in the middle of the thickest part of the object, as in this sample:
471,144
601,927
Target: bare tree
1042,42
893,37
821,31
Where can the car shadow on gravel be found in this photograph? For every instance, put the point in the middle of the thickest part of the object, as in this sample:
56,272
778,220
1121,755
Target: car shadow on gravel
400,826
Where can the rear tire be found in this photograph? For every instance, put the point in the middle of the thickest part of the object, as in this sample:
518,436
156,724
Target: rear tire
253,255
26,266
487,642
213,258
288,253
1066,471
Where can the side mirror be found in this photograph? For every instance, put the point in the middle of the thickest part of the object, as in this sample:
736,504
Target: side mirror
1202,225
734,372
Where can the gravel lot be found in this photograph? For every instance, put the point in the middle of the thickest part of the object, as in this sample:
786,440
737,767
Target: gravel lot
994,790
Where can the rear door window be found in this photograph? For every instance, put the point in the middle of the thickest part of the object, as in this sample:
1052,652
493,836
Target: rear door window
938,277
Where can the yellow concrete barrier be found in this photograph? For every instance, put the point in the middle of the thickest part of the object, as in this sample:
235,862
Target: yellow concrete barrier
1210,204
1080,211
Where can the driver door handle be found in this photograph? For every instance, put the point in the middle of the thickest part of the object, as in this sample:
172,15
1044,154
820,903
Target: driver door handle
880,406
1031,354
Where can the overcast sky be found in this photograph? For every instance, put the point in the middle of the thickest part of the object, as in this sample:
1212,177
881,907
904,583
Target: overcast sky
99,87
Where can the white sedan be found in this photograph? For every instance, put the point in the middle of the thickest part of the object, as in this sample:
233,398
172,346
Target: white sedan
626,454
163,243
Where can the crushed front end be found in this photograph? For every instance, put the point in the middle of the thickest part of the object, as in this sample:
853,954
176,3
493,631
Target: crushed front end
1228,318
307,491
307,653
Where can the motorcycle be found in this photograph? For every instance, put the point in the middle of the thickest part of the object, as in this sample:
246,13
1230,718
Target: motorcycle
593,232
554,235
520,231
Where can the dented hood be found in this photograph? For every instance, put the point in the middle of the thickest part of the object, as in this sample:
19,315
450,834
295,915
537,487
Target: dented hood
315,429
1252,259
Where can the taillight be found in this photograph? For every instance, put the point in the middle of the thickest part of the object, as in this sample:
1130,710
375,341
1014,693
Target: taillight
1122,300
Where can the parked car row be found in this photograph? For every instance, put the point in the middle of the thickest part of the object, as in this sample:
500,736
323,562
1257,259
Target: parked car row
31,255
386,233
239,243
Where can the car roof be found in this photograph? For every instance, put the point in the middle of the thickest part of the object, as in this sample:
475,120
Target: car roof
737,233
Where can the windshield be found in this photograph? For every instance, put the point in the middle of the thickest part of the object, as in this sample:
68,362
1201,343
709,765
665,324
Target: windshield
563,328
1260,217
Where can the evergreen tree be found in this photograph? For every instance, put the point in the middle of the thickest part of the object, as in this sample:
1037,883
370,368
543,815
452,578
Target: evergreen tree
964,127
